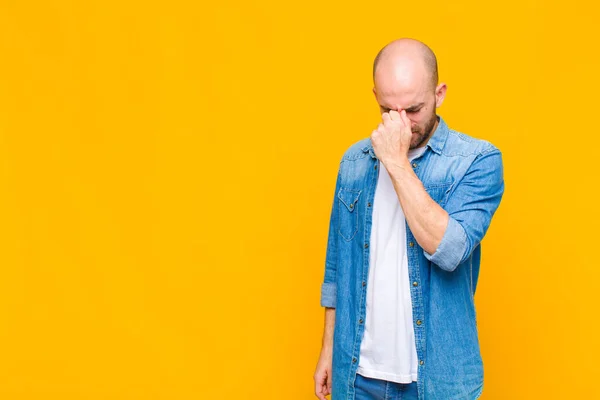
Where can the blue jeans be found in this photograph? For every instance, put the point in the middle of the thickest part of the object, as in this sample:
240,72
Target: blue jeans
377,389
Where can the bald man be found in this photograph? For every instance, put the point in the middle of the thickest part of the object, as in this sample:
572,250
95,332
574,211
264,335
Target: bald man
412,203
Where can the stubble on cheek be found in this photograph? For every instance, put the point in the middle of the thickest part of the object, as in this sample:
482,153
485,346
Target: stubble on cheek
418,136
421,135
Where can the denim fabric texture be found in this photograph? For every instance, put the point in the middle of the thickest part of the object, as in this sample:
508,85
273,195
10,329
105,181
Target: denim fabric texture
376,389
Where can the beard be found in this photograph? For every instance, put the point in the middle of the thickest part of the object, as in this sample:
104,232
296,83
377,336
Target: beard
422,134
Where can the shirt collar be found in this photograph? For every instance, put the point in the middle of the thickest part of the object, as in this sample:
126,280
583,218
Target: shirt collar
436,142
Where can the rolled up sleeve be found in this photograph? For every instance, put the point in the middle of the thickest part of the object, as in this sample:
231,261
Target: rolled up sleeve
328,294
452,247
470,206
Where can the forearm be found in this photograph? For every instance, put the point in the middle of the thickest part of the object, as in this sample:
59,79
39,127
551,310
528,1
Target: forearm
327,344
426,219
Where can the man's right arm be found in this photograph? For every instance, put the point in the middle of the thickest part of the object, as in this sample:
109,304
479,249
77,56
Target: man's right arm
323,372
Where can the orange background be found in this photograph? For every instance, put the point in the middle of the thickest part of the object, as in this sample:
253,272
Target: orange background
167,171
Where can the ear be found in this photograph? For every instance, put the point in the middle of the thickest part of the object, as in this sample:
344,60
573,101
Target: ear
440,94
375,92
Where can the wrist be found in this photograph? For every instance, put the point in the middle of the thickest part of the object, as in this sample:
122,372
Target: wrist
327,348
398,165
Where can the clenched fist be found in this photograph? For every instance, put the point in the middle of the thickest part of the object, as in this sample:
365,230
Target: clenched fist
391,140
322,375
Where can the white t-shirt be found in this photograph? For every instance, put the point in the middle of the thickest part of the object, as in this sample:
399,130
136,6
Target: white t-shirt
388,349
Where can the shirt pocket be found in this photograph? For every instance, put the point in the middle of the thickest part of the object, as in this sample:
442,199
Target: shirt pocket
348,215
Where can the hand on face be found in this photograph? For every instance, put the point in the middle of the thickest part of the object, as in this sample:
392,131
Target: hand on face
391,140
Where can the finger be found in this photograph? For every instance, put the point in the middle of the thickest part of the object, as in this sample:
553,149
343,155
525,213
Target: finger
386,116
319,391
320,394
394,115
405,121
404,118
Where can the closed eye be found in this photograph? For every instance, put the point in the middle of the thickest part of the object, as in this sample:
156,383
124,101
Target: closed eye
411,110
416,108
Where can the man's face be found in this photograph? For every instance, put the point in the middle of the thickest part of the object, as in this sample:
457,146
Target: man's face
419,102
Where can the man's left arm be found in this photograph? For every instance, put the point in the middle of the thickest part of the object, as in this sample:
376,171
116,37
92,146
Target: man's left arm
448,235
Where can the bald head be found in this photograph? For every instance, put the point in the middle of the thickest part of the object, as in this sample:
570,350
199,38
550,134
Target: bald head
406,59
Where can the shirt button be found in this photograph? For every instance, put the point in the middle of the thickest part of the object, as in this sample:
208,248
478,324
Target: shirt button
414,165
419,322
360,321
415,283
364,283
366,245
368,204
411,244
421,362
354,359
352,205
375,167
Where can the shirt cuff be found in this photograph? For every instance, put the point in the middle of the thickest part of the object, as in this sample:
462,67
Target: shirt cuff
452,247
328,295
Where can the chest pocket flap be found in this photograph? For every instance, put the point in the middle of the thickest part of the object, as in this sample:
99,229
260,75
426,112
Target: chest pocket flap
349,198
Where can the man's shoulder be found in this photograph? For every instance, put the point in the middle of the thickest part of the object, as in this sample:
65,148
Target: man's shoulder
357,150
461,144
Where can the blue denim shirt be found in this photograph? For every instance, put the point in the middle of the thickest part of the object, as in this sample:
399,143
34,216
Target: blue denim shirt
464,175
